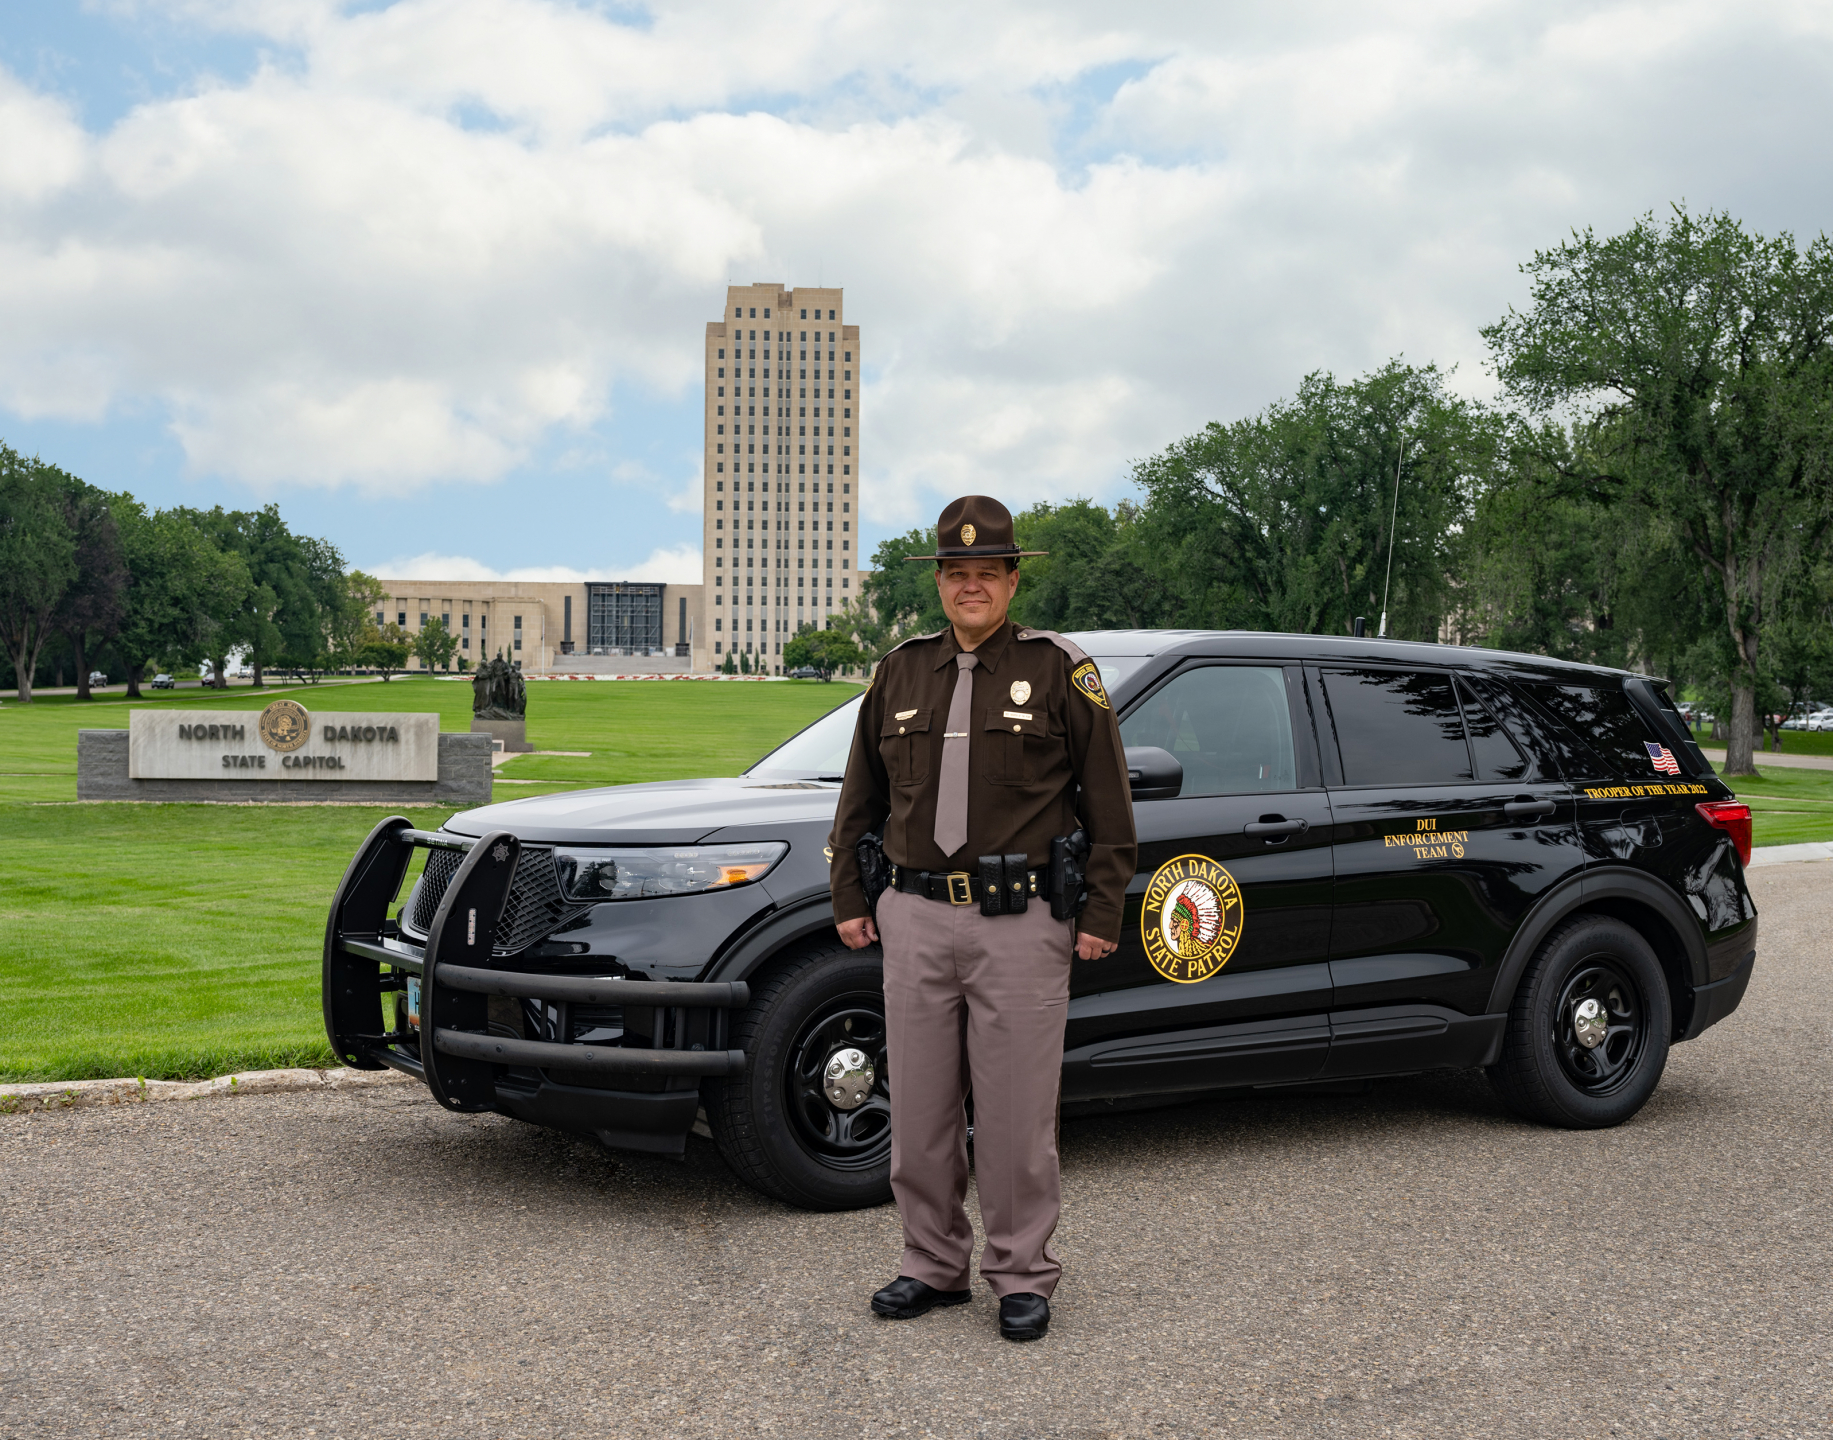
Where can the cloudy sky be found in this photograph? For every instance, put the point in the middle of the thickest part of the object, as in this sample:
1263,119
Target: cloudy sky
434,274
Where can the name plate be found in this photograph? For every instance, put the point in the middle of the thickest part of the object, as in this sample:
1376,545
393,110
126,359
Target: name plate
283,742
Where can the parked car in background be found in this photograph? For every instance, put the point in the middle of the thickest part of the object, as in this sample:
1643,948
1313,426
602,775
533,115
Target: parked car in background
805,672
97,678
1819,720
164,682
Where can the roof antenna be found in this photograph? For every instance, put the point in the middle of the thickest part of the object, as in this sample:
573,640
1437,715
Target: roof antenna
1382,632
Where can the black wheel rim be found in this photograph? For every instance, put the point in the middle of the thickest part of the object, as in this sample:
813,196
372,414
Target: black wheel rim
856,1139
1603,1067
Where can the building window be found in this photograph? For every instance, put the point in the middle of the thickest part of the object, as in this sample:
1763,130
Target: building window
401,618
423,619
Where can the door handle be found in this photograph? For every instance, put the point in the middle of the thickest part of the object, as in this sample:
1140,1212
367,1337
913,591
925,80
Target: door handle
1274,829
1528,809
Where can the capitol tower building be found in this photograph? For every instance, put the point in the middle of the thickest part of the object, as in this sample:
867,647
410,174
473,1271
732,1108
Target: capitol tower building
781,471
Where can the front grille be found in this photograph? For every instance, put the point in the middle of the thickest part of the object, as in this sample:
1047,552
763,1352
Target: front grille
535,908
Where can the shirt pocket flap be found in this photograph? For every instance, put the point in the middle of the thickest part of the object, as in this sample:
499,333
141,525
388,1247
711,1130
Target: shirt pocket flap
904,722
1018,720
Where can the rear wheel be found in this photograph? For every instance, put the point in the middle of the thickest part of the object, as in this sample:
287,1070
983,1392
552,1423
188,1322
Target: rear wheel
809,1121
1588,1032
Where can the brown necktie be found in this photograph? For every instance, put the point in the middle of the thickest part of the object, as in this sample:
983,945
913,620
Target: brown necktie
951,794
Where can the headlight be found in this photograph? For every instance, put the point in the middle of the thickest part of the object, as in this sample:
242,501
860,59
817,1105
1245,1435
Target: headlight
595,874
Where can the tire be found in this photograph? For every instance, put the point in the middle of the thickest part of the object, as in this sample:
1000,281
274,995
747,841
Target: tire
1546,1071
774,1125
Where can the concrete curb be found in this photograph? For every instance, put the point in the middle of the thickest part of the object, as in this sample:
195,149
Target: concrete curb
86,1094
1785,854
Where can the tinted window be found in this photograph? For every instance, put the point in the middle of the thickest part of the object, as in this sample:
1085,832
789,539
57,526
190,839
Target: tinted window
1228,724
1526,727
1603,718
1494,753
1397,727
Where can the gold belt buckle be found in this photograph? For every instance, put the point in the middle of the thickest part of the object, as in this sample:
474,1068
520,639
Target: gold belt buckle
960,888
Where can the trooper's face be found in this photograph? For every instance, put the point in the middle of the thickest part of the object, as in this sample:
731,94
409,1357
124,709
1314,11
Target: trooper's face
976,593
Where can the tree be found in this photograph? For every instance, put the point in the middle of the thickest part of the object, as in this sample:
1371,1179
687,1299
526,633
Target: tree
434,644
1695,358
902,593
290,608
1282,521
95,603
181,588
1555,571
352,626
824,650
37,559
385,650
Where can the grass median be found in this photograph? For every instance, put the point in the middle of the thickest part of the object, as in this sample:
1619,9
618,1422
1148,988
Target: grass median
183,941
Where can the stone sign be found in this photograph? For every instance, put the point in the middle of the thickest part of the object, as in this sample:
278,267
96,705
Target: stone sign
283,753
283,742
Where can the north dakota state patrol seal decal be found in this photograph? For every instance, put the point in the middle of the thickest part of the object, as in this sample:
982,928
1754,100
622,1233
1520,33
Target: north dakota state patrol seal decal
284,726
1192,918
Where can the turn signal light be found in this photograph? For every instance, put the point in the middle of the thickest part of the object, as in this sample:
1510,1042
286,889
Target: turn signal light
1731,816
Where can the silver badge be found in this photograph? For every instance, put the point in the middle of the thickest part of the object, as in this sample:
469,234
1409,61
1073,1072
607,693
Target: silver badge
1021,691
501,853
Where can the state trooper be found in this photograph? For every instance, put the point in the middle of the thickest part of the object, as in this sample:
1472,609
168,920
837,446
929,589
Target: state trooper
984,835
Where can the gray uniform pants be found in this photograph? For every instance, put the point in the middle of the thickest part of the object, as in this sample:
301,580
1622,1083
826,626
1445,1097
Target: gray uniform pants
980,999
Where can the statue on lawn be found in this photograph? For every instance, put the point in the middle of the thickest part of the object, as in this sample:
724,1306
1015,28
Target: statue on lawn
498,691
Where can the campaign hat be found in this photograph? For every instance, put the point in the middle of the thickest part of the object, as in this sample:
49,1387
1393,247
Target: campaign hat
975,527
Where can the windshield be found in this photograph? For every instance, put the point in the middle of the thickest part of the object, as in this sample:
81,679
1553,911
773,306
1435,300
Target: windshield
819,752
1115,668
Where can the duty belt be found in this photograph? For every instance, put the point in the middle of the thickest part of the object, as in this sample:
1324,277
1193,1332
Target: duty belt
957,887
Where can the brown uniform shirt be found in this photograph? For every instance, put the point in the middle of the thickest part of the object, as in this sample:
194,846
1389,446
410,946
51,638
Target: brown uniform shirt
1025,760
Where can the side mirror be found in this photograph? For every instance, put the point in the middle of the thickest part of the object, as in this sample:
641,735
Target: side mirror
1152,773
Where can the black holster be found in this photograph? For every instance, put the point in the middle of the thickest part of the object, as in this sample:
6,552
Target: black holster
874,868
1068,875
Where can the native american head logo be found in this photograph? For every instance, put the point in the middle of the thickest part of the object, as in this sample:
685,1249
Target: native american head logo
1192,918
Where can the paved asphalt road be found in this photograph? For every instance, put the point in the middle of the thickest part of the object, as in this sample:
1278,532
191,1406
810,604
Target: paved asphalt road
1405,1262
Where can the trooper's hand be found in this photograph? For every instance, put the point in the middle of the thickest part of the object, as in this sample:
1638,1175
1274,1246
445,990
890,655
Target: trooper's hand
857,934
1092,947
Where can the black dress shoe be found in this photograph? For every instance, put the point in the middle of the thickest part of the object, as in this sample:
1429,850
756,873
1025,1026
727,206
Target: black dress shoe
905,1299
1024,1316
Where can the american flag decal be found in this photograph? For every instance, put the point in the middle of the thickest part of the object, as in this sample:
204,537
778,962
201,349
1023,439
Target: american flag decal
1661,758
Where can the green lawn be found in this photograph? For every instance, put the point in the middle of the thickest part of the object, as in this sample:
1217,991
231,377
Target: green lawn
1794,742
178,941
1787,806
182,941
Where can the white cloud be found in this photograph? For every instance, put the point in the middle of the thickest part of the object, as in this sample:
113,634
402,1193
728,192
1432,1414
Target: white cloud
679,565
426,240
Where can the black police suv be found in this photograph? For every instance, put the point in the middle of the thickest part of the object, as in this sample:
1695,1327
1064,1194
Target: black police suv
1357,858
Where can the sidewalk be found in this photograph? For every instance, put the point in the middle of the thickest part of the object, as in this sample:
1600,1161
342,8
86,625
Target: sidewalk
1783,854
1777,757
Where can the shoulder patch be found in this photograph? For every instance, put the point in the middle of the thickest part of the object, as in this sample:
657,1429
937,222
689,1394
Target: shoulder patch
1086,677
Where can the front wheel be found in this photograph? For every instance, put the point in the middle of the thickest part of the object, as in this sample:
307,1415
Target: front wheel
1588,1032
809,1121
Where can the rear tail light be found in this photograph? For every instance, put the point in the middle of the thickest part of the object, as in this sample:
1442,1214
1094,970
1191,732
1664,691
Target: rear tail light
1731,816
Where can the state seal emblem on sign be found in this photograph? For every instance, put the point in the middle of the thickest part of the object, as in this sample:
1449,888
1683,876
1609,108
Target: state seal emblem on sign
284,726
1192,918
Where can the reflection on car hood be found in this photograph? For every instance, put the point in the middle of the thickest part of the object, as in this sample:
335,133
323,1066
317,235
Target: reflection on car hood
669,812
